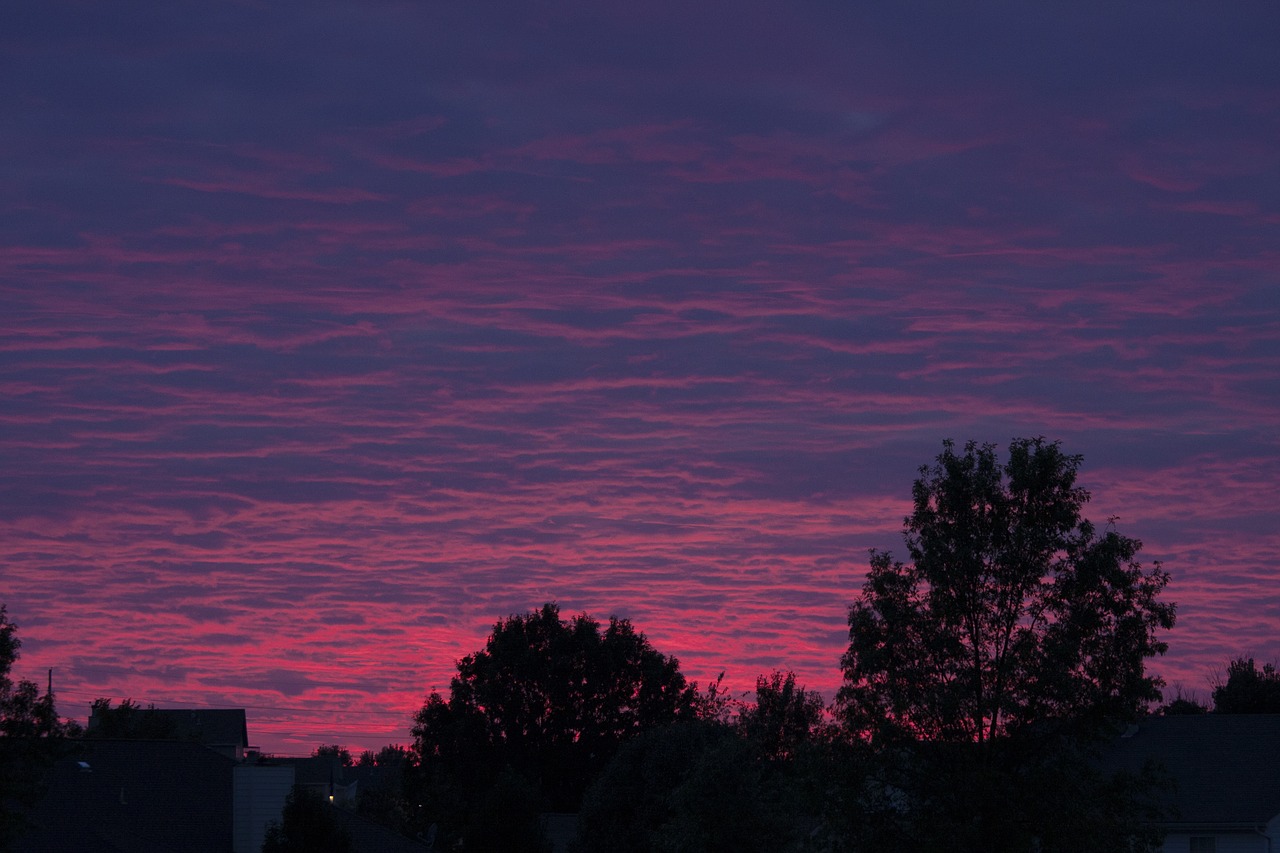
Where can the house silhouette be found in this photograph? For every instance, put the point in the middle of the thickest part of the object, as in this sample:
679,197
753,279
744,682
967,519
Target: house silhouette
1223,772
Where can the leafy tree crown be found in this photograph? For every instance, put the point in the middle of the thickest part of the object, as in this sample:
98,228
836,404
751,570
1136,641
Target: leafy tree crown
1015,611
552,698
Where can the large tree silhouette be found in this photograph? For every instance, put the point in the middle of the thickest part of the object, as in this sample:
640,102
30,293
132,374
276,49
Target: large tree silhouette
549,698
982,667
1014,610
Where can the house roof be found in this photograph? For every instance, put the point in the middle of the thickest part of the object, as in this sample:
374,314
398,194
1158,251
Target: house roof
210,726
1223,766
108,796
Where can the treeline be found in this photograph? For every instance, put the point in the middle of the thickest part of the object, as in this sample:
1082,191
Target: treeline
1246,689
568,715
982,678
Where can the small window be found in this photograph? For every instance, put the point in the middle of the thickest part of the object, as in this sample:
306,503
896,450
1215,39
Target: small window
1204,844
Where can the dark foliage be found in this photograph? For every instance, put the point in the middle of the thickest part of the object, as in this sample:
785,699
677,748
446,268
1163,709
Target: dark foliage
1014,611
24,712
1182,707
551,699
1005,796
690,786
1248,689
307,825
506,818
391,755
759,784
128,720
983,669
32,735
1182,704
380,795
784,718
335,751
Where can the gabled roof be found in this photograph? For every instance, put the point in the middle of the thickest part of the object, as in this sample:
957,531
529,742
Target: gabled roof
1225,767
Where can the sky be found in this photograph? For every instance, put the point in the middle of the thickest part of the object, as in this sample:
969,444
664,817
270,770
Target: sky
333,332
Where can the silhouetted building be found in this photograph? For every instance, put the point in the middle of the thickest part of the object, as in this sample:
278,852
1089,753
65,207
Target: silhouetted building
189,787
127,796
224,730
324,776
1225,775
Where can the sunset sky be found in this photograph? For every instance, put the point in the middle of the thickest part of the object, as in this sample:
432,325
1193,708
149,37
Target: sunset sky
332,332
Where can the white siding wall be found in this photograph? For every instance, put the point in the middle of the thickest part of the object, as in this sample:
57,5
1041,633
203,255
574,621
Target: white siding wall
258,795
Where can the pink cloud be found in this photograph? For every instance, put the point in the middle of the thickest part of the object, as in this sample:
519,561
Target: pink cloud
305,392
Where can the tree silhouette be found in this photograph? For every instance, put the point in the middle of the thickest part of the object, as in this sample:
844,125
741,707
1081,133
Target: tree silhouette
1182,704
784,717
695,785
551,699
985,664
1248,689
306,825
334,750
129,720
24,712
757,783
506,818
1015,610
31,734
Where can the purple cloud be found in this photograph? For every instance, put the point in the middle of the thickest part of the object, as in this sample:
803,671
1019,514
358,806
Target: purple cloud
333,334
